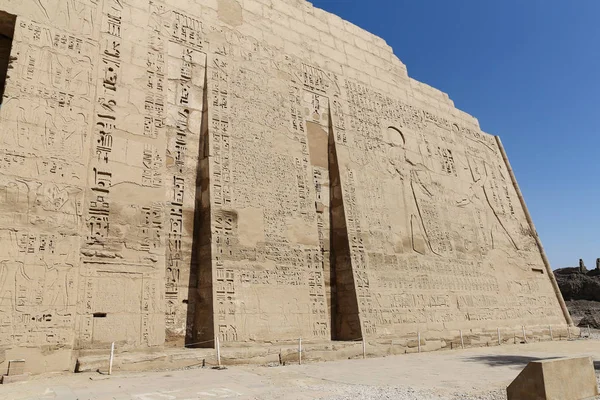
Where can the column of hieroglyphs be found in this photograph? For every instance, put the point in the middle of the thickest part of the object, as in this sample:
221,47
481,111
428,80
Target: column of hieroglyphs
313,110
123,245
186,73
223,221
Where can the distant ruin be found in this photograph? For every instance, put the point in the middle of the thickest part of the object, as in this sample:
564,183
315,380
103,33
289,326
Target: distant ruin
257,171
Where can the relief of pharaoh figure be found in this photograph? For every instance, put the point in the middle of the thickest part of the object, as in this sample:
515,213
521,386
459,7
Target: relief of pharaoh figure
434,184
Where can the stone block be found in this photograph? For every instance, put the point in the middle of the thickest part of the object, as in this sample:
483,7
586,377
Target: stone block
355,52
286,33
326,39
254,7
316,22
14,378
303,29
555,379
285,8
16,367
415,343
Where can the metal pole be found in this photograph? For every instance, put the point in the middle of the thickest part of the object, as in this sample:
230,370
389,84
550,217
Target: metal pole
300,351
589,332
364,345
218,350
112,356
549,272
499,341
551,337
419,341
462,343
524,336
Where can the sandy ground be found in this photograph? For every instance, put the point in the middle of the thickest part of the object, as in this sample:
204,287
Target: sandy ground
471,374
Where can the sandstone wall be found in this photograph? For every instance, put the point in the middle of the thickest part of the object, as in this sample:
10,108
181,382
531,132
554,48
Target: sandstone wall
258,170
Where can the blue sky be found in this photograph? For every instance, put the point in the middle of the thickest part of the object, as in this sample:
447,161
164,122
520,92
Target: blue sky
529,70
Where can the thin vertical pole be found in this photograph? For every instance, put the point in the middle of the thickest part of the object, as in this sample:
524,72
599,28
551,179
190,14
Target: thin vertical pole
218,345
589,332
499,341
551,336
112,356
419,341
524,336
568,333
364,345
462,342
300,351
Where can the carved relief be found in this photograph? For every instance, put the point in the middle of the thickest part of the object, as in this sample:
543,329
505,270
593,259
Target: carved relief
164,174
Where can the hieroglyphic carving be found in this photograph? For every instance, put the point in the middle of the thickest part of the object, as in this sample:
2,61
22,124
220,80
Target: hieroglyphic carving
444,217
186,76
151,227
38,282
318,125
44,120
187,30
98,205
219,109
223,223
296,112
156,70
315,79
100,128
225,231
106,123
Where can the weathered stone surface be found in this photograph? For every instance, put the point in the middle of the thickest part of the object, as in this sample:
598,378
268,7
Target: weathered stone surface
259,171
6,379
555,379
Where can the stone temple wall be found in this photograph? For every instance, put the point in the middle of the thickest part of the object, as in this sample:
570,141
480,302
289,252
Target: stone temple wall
256,170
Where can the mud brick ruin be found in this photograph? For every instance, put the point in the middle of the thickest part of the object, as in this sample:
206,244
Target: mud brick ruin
257,170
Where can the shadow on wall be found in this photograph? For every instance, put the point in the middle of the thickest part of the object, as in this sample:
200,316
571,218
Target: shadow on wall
518,362
7,27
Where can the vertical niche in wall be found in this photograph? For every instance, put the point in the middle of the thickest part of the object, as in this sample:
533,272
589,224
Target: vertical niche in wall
338,278
345,319
200,313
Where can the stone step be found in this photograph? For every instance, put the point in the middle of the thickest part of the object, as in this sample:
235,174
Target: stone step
264,354
141,361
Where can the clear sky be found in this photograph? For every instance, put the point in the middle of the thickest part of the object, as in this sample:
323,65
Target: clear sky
529,70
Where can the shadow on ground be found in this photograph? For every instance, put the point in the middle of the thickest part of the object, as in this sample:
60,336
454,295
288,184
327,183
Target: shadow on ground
515,361
518,362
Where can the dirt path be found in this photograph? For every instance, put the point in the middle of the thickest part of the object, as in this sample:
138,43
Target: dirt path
481,373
